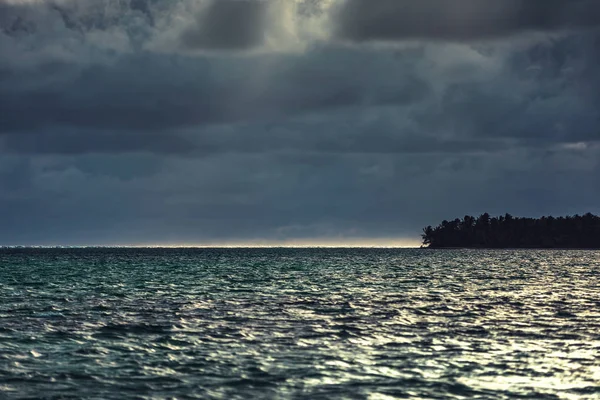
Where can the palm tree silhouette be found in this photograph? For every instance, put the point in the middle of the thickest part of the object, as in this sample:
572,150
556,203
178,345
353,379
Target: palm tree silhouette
509,232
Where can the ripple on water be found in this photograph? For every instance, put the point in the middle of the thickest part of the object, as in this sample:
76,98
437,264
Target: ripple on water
303,323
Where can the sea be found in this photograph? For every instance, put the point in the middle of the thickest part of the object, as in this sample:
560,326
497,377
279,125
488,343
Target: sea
283,323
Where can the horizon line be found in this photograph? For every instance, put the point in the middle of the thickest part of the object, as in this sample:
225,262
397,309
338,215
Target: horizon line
205,247
257,243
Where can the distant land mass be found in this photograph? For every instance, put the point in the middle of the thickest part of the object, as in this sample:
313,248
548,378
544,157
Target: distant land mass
571,232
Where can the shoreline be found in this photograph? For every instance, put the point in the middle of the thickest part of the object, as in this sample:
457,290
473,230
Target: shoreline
511,248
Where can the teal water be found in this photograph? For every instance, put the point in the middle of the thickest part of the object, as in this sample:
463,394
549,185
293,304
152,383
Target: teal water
299,323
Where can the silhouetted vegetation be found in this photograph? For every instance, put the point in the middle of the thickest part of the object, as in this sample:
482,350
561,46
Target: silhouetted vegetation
511,232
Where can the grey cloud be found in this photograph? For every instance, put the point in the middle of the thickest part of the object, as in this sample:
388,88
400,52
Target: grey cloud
18,19
330,100
240,197
388,20
155,93
61,141
104,143
228,25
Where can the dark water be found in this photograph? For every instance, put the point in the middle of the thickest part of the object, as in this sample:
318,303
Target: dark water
315,324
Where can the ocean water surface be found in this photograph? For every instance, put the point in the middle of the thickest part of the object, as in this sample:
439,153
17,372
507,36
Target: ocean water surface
299,323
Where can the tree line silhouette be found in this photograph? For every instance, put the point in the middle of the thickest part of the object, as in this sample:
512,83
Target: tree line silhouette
512,232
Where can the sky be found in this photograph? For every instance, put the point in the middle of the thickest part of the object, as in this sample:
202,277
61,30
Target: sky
223,122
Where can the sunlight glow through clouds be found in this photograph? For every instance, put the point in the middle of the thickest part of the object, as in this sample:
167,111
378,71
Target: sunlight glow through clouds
295,243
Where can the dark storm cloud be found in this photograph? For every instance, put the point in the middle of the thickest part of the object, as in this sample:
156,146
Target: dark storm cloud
327,101
362,20
228,25
110,132
21,18
133,95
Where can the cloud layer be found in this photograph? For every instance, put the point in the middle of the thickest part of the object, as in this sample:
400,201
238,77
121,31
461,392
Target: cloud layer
228,25
386,20
149,121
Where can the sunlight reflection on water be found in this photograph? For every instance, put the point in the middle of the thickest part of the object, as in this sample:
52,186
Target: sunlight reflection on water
299,323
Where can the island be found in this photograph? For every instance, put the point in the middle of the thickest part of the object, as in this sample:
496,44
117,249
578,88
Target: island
571,232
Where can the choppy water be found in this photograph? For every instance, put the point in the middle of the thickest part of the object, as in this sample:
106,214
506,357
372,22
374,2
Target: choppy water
283,323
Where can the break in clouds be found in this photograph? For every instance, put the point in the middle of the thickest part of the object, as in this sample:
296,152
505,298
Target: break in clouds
187,121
